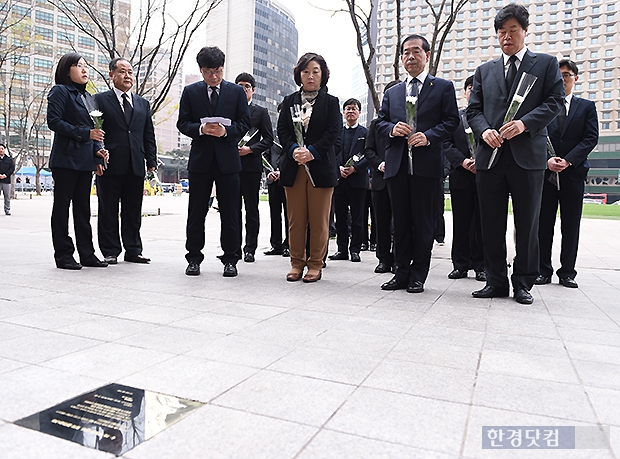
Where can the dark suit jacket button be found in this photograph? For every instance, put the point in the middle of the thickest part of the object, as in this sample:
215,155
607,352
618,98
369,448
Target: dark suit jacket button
128,132
78,138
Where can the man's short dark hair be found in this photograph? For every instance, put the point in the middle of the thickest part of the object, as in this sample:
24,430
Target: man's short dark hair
425,45
114,63
390,84
352,101
247,78
303,62
570,64
512,10
64,67
210,57
2,145
469,81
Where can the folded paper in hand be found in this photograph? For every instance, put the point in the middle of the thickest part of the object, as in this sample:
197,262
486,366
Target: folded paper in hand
216,119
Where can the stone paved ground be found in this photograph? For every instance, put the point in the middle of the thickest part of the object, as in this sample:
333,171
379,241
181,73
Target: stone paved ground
336,369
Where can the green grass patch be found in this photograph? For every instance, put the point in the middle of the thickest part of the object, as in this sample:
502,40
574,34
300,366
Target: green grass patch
602,211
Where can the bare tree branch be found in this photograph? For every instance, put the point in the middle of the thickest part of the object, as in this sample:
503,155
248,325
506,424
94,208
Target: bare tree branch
156,56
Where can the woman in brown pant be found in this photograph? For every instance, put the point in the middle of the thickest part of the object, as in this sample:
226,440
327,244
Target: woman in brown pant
309,170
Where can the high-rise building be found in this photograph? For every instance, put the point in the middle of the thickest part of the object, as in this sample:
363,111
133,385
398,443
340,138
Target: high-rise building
258,37
585,31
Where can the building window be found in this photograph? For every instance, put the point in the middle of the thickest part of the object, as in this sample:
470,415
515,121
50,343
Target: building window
609,63
44,33
605,126
607,95
607,84
593,54
592,96
43,16
87,42
608,73
606,105
42,63
592,85
593,65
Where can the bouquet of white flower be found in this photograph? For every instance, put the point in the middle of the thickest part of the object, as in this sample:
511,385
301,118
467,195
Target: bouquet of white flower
298,125
247,137
555,176
411,108
526,83
97,117
353,159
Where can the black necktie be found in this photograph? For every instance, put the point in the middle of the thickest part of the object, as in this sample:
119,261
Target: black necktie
414,90
127,108
512,72
562,116
214,96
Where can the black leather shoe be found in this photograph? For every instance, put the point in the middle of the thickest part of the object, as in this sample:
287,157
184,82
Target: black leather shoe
94,262
457,274
137,259
70,264
230,270
522,296
111,260
481,276
364,247
286,253
490,292
568,282
373,247
383,268
394,284
273,252
339,256
415,287
193,269
248,257
355,257
542,280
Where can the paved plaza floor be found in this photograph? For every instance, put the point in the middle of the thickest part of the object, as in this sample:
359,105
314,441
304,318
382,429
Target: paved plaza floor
336,369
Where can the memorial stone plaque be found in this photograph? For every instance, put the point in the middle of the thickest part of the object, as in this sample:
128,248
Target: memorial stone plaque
113,418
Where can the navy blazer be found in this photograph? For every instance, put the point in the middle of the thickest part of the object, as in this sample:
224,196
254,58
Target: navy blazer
322,135
360,178
374,153
456,150
262,140
68,117
438,117
232,104
489,101
130,145
578,138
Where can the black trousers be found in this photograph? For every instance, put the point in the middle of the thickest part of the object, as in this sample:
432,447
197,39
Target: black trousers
383,225
414,202
227,186
128,189
570,199
440,222
525,187
467,248
277,206
250,186
347,197
71,187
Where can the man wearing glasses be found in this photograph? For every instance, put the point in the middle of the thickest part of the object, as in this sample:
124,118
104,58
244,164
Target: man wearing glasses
213,157
573,134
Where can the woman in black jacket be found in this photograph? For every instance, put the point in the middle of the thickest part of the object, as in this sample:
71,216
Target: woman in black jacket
309,171
77,152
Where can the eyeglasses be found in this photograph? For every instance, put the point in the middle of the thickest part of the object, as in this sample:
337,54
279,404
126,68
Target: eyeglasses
212,72
567,75
81,66
245,85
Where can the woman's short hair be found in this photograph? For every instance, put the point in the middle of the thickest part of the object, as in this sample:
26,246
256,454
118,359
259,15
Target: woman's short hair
64,67
303,62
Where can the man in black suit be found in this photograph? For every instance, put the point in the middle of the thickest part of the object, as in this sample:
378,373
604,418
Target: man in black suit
519,167
375,154
252,166
413,179
277,203
213,156
573,134
467,252
130,140
352,184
